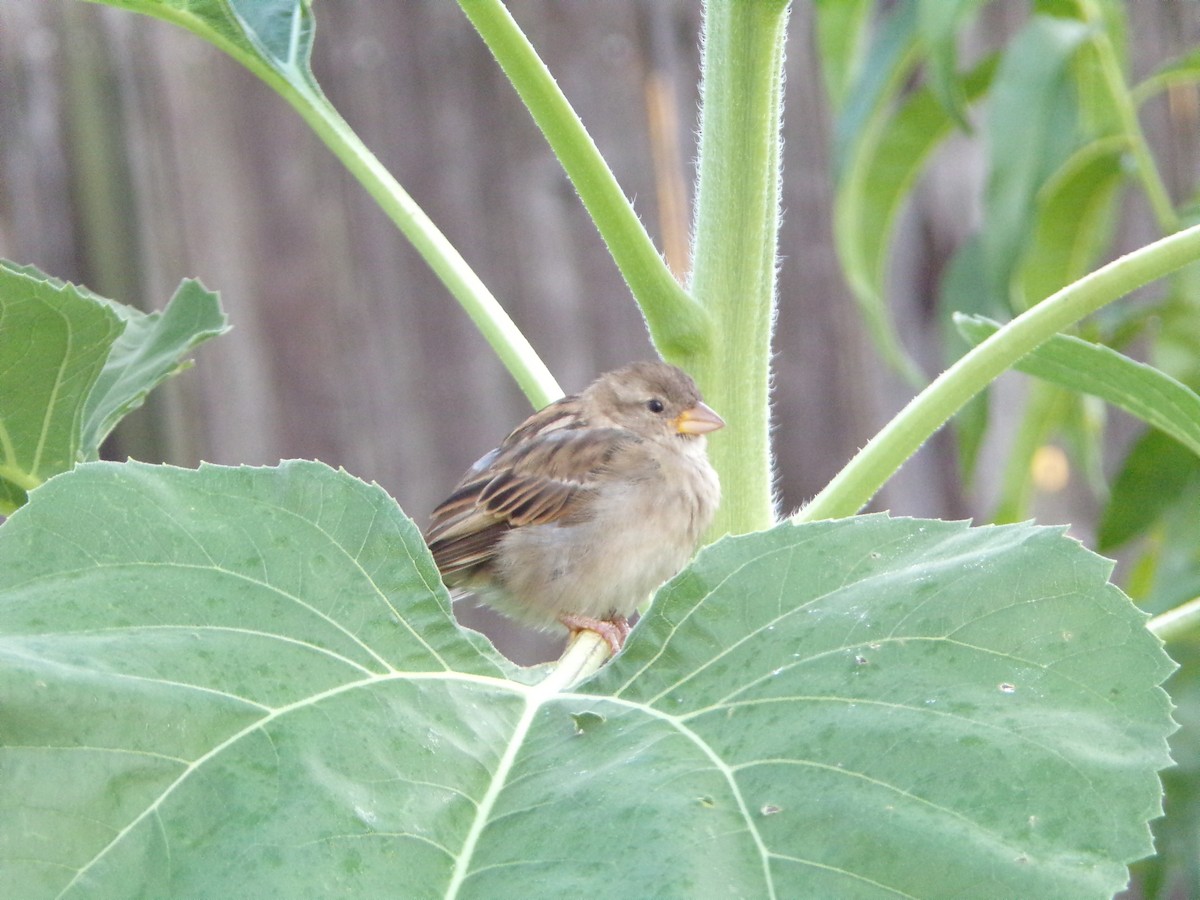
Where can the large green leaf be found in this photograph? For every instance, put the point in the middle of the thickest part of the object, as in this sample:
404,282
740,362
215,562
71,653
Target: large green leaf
53,344
247,682
862,709
1141,390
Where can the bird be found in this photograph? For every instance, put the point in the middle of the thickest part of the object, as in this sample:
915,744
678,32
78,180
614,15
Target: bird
587,506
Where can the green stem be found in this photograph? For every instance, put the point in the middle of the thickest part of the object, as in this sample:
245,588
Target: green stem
735,244
853,487
678,325
1175,624
26,481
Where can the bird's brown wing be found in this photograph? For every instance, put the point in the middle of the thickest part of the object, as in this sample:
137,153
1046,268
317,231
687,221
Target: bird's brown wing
547,476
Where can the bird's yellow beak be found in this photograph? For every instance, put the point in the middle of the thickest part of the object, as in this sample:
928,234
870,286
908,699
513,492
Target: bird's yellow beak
700,419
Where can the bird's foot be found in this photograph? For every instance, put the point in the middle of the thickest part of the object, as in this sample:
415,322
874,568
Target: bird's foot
614,630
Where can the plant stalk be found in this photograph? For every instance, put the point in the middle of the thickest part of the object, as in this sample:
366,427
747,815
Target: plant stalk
1179,623
734,245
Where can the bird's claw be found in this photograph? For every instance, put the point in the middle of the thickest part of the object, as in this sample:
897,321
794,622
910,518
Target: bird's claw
614,630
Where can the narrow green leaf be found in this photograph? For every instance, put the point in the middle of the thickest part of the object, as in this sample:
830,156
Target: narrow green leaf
875,183
1112,19
940,22
1181,70
53,344
889,60
1141,390
1072,221
1153,478
1099,69
843,31
1176,346
1100,110
1031,128
862,120
1046,408
247,682
149,351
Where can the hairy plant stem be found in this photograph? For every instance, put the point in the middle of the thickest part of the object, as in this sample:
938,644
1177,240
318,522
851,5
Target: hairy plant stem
734,244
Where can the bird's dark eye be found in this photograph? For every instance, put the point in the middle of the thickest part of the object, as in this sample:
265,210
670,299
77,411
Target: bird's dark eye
655,405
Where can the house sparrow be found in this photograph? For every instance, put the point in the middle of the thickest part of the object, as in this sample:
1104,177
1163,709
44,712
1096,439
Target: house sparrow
588,506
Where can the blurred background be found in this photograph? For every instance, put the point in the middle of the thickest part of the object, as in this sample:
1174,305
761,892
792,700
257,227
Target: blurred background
132,155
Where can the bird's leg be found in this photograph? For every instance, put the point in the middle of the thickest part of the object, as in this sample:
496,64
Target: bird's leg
614,630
